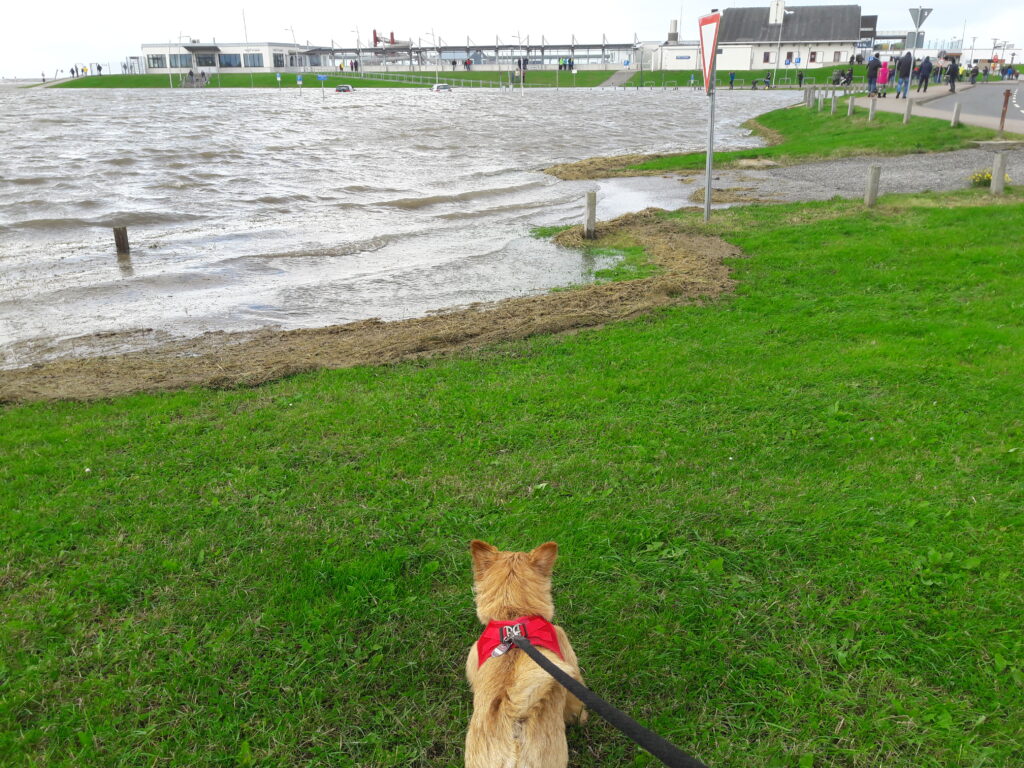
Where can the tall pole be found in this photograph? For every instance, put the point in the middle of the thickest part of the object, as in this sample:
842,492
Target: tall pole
170,82
711,136
245,31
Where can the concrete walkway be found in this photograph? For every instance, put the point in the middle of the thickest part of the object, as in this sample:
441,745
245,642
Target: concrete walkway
938,102
618,79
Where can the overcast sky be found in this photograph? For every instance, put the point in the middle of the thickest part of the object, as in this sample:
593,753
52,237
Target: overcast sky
46,36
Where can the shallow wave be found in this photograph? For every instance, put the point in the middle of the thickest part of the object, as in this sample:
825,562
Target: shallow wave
460,197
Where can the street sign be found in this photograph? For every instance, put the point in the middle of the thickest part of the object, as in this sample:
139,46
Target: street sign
797,59
709,45
682,58
298,80
279,77
321,77
918,15
789,62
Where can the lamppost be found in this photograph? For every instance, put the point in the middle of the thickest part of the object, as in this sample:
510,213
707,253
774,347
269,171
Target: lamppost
437,63
778,52
359,51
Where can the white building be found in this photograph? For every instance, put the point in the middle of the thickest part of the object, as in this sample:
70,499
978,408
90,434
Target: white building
160,58
804,37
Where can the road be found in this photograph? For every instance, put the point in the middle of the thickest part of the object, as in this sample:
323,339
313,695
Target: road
985,100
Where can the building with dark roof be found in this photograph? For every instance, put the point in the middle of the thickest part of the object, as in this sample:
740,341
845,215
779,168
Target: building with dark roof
787,39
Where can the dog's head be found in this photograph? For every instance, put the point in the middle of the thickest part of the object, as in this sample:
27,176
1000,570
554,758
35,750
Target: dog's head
512,584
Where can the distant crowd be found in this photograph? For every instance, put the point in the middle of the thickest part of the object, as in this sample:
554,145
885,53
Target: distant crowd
904,71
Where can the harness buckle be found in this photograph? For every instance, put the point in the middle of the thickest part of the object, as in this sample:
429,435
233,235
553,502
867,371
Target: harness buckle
508,632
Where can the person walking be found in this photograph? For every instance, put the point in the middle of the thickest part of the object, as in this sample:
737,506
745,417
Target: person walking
952,76
883,78
926,73
800,78
732,80
903,69
874,64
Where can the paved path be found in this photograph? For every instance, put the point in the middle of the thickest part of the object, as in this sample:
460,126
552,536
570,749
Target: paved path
980,104
619,78
937,171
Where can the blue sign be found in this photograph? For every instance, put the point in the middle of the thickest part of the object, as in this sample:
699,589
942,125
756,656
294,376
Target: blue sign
788,62
797,59
298,79
321,77
279,77
682,57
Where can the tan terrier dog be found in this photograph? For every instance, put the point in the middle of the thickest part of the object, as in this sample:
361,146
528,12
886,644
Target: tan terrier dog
519,711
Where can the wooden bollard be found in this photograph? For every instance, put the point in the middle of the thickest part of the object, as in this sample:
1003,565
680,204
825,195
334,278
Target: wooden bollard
835,100
955,122
873,103
907,109
821,100
590,217
121,240
849,105
998,174
871,193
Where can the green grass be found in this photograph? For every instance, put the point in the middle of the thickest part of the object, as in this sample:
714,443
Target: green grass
786,76
807,133
791,526
584,79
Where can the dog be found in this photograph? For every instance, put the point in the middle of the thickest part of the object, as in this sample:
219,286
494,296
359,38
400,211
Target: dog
519,711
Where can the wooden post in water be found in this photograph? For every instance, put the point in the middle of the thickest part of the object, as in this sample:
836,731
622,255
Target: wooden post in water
998,174
871,193
908,108
121,240
590,218
955,122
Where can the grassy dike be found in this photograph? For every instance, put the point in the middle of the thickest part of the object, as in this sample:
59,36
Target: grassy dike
585,79
797,135
790,519
787,76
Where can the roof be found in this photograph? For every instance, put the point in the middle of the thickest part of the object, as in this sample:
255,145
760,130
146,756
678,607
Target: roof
202,48
805,23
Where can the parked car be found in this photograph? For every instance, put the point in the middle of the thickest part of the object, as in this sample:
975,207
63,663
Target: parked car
343,88
440,88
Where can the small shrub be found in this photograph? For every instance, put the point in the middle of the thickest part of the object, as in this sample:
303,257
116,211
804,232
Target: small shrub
984,178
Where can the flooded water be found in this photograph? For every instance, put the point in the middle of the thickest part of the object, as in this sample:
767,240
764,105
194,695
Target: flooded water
254,208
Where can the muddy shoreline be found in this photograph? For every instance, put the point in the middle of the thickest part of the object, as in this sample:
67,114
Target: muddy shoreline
692,270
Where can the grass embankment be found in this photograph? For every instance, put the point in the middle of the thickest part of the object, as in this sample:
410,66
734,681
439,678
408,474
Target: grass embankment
744,77
261,80
798,135
791,525
584,79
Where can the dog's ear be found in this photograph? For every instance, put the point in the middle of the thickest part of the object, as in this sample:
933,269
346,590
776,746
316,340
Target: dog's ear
543,557
483,555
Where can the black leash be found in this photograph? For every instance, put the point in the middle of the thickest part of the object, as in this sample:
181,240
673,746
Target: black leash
665,751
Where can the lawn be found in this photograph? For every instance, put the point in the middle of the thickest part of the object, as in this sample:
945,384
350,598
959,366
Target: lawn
790,525
800,134
585,79
787,76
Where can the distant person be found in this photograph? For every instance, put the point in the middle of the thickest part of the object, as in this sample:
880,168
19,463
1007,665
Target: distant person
904,68
926,73
99,69
44,77
767,80
883,78
732,80
74,72
974,75
874,64
454,64
693,80
984,74
800,78
952,76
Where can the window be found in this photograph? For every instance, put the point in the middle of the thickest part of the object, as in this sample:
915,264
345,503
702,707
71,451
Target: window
314,60
156,61
230,60
814,56
205,60
253,59
837,56
295,61
789,56
278,60
181,60
767,58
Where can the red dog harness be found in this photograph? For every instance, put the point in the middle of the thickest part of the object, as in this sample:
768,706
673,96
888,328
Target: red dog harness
496,639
